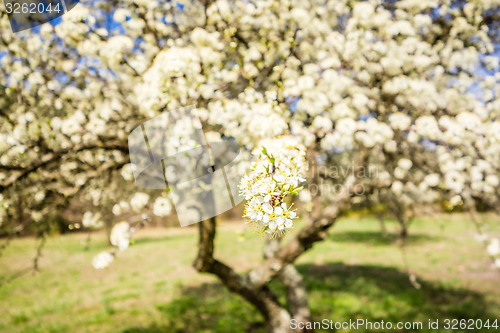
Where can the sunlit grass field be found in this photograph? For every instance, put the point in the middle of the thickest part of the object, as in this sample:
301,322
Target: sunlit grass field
151,287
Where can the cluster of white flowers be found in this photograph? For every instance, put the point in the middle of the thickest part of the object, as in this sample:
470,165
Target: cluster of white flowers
276,174
127,172
138,201
121,234
102,260
120,208
367,134
162,207
91,220
427,127
173,69
399,121
257,113
492,247
113,52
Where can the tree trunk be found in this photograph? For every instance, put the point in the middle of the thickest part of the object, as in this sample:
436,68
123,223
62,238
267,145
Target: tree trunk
295,288
381,221
266,302
403,234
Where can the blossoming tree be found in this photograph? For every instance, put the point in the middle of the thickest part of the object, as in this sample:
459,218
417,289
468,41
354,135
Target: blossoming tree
406,91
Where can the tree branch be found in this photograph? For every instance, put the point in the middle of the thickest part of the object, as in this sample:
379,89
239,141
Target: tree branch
49,158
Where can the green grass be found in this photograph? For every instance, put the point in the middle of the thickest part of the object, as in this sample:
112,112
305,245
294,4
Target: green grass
151,287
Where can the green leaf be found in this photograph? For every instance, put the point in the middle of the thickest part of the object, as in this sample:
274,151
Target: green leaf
264,151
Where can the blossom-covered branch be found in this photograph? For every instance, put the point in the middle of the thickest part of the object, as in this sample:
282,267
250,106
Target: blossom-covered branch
277,174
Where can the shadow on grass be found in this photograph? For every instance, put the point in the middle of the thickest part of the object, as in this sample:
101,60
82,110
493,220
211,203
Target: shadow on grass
209,307
337,292
376,237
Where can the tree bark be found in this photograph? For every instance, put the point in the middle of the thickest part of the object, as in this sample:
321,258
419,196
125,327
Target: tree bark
295,288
